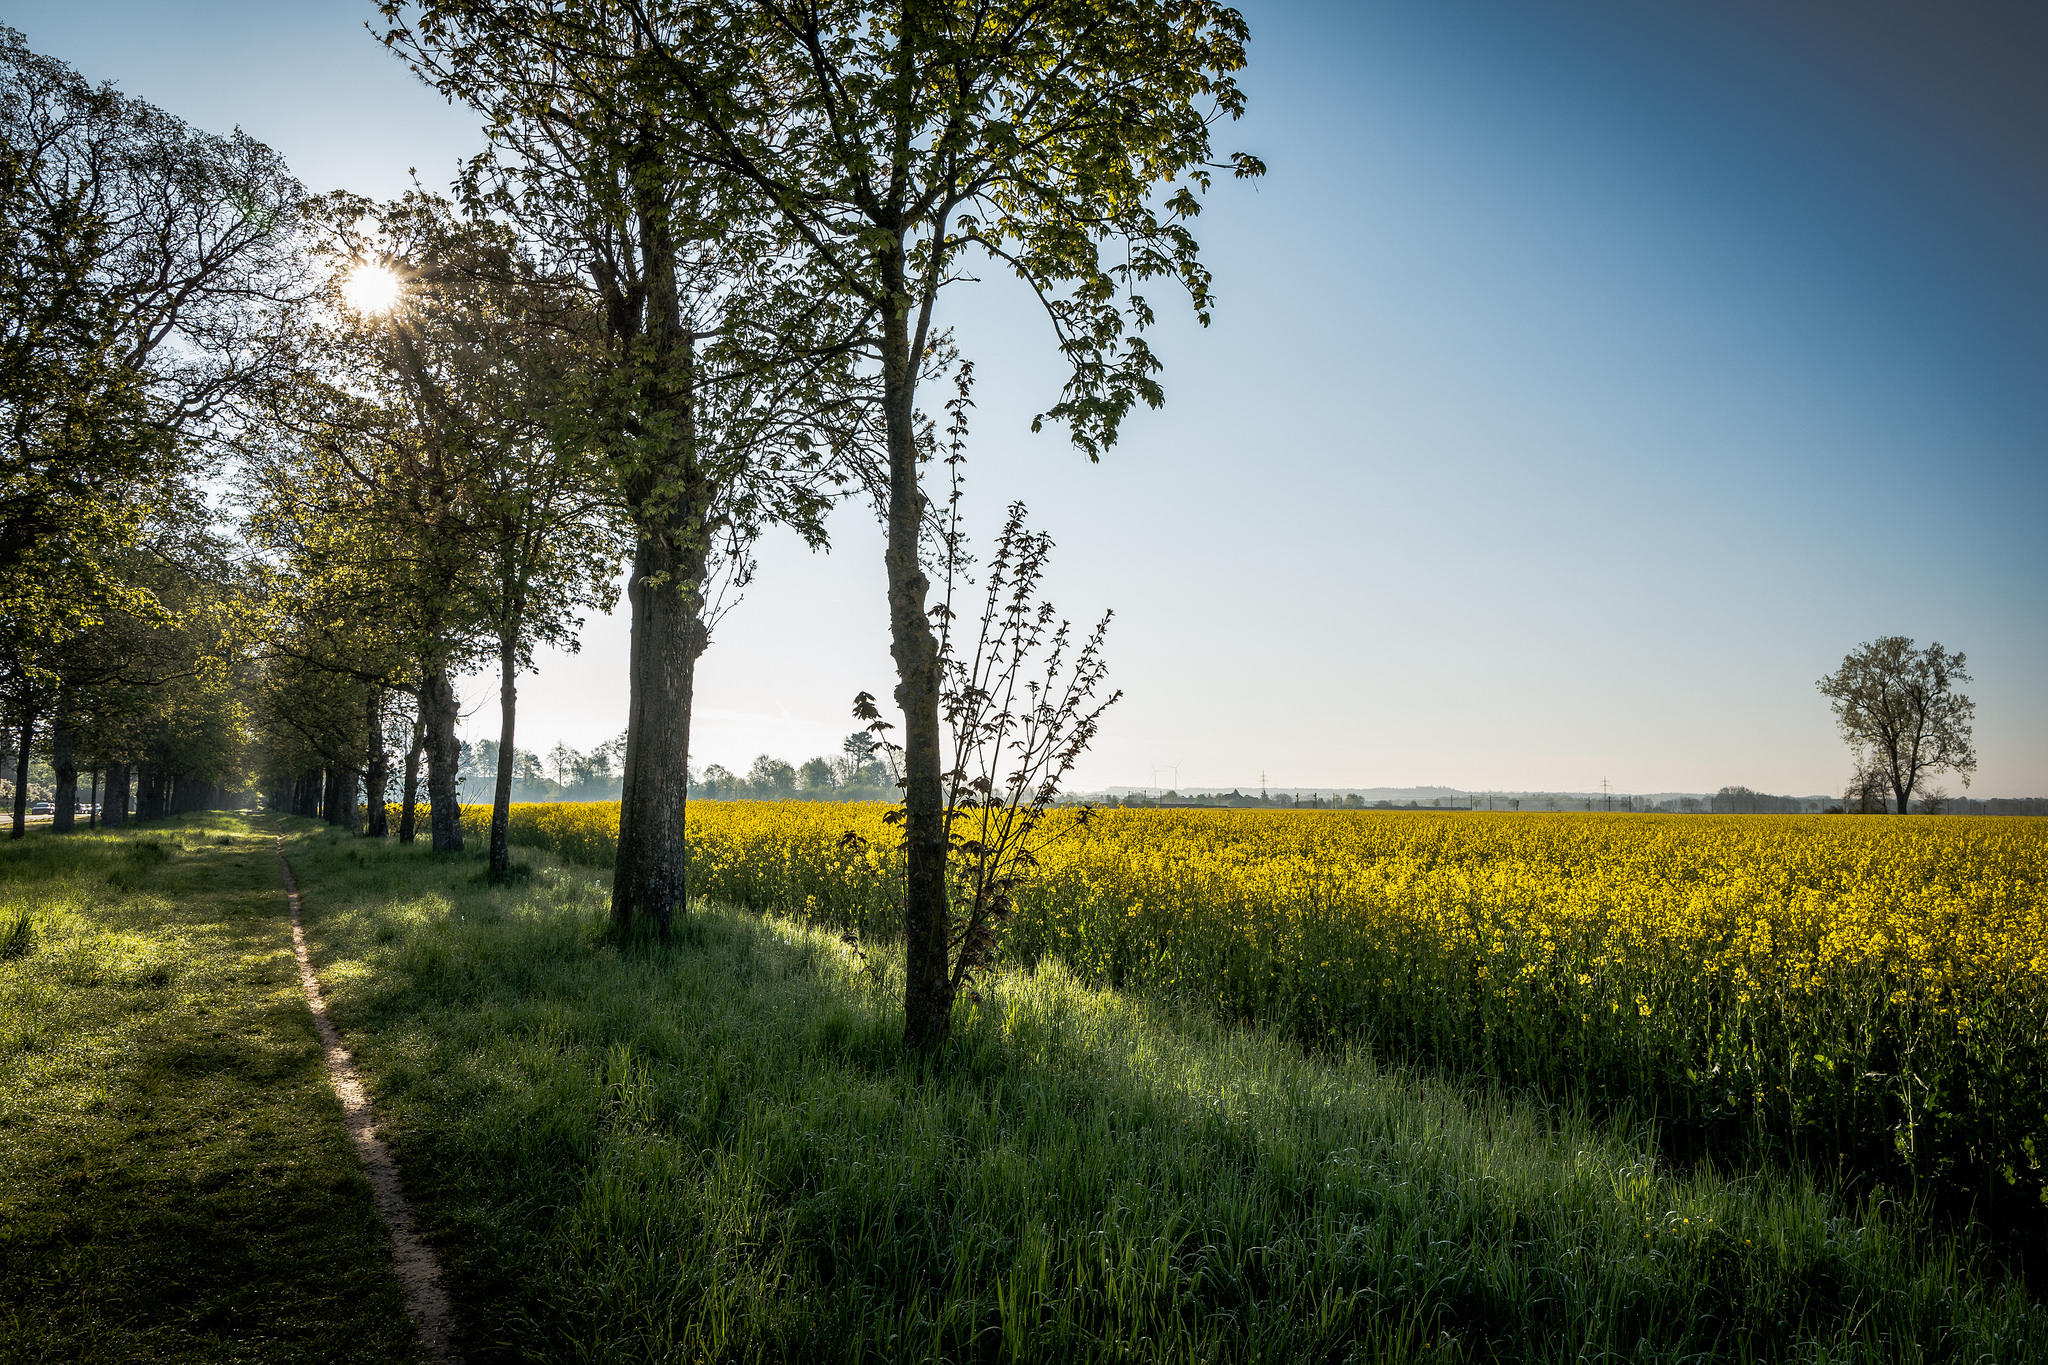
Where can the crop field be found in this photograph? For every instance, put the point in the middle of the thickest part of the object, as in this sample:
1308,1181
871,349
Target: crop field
1872,994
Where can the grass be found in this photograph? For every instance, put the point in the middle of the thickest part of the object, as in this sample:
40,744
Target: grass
714,1149
175,1180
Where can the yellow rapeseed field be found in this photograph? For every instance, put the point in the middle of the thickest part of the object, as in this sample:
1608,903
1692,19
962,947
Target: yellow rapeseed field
1871,990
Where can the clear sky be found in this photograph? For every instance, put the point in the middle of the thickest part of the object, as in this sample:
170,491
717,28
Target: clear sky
1588,378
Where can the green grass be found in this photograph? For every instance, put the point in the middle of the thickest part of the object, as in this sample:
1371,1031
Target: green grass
714,1149
175,1180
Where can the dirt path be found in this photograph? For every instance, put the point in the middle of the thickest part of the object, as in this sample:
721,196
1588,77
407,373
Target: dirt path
419,1273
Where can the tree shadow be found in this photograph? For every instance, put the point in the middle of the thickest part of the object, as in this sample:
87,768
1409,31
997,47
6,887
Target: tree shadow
716,1145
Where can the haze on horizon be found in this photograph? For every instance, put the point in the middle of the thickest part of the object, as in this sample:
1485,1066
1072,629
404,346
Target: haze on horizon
1587,379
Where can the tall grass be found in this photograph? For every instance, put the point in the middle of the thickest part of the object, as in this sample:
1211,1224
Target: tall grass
715,1149
1870,996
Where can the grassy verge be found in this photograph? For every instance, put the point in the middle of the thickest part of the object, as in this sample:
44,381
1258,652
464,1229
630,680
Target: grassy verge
175,1181
713,1149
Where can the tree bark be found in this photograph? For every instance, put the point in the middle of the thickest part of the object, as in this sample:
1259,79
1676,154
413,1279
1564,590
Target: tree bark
927,919
651,875
438,713
376,767
22,740
501,795
92,809
669,496
408,811
145,792
64,815
116,799
339,806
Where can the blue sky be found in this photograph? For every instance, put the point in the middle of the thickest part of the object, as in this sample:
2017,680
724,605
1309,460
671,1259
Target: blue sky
1588,378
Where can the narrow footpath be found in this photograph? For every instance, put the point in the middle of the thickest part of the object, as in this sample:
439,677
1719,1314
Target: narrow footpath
418,1270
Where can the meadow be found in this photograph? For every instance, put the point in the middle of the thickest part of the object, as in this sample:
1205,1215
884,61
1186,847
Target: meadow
715,1148
1869,996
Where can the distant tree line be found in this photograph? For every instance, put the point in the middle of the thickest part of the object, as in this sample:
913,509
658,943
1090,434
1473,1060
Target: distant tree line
858,772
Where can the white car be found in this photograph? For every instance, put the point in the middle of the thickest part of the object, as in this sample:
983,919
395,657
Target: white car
43,808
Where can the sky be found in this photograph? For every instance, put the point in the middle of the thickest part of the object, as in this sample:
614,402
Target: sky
1587,379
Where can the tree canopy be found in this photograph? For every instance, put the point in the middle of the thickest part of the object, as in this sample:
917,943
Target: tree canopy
1901,712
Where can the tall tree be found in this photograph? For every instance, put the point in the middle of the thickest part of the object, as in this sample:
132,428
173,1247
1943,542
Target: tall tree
145,267
502,342
708,433
1899,709
1066,141
364,484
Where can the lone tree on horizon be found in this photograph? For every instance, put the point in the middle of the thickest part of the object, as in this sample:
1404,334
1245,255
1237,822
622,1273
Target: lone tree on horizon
1900,712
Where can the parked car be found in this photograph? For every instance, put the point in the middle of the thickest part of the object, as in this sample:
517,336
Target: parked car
43,808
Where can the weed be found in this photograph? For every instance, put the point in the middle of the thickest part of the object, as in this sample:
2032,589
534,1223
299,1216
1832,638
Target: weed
17,935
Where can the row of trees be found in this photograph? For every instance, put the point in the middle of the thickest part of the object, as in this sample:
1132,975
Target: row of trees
859,772
690,291
765,202
145,267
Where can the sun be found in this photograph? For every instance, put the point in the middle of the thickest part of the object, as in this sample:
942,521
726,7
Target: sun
370,288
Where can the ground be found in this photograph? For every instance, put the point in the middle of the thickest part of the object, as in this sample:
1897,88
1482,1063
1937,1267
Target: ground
175,1182
713,1148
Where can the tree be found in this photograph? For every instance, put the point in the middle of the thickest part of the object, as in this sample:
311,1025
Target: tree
75,438
491,342
1899,709
771,779
356,513
409,478
815,777
720,783
1022,704
710,431
144,269
1066,141
1865,794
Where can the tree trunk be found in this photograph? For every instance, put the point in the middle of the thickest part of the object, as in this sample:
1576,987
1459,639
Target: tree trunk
23,739
501,795
92,809
651,875
408,811
340,803
376,768
145,792
670,497
1905,797
116,798
927,920
438,712
64,815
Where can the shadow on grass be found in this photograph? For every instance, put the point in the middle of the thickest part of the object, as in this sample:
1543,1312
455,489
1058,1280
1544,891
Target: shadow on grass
714,1148
175,1181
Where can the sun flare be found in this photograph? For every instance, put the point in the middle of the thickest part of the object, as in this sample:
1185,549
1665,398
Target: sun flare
370,288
